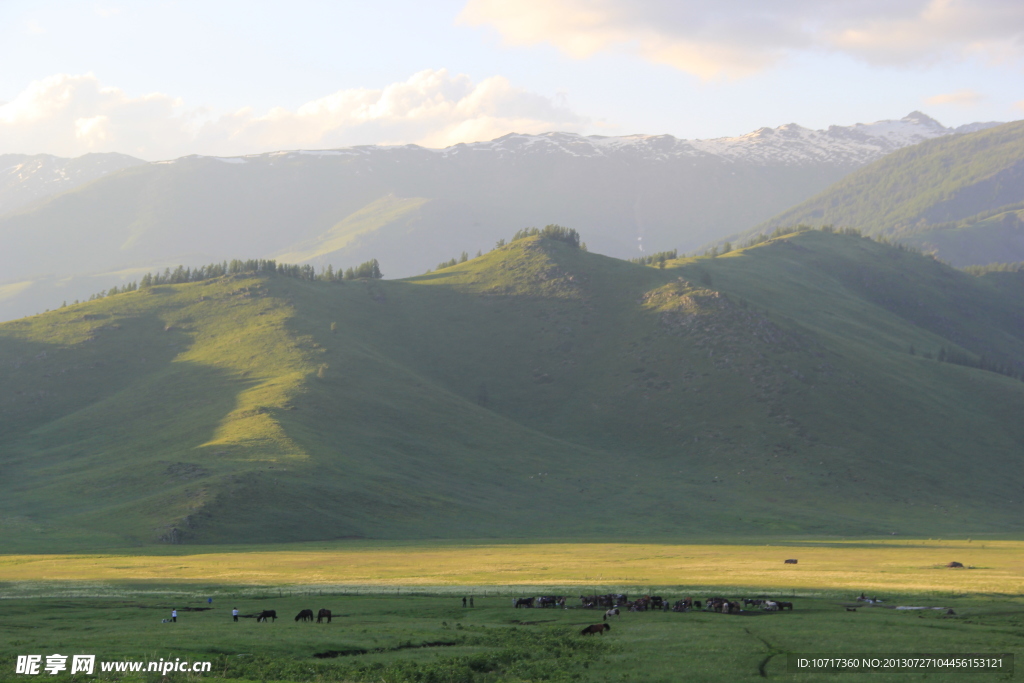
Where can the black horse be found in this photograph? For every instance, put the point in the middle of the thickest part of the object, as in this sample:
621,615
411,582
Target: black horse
267,614
323,614
304,615
595,628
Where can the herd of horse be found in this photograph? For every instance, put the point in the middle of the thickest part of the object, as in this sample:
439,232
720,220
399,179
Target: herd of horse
304,615
614,602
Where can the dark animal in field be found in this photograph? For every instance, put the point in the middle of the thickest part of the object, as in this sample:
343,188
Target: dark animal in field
683,605
267,614
790,562
715,604
851,609
595,628
613,612
304,615
524,602
752,602
606,601
323,614
786,605
656,601
955,565
551,601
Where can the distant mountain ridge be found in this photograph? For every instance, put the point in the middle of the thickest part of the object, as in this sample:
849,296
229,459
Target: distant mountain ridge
26,178
787,144
412,207
960,197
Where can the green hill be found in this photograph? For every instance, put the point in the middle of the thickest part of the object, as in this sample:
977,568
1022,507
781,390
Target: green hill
538,391
960,196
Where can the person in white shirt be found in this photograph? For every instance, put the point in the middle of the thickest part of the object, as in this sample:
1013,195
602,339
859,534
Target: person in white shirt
174,615
234,614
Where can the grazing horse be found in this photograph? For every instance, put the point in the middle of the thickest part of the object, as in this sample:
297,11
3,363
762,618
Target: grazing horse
323,614
770,606
595,628
524,602
715,604
613,612
550,601
265,614
612,599
785,605
304,615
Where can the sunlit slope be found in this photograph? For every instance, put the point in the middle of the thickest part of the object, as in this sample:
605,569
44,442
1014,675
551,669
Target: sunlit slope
537,391
961,196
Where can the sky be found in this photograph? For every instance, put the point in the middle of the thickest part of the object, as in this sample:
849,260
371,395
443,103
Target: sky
160,79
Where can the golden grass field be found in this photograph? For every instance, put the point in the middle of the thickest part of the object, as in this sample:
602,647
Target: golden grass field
918,565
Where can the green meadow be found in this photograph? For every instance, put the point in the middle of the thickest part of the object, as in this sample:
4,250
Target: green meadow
398,615
426,635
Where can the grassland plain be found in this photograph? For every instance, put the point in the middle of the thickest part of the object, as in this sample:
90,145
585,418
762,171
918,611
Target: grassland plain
992,566
537,391
429,636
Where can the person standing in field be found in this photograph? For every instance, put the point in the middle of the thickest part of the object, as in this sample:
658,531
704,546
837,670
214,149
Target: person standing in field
174,616
234,614
471,601
463,602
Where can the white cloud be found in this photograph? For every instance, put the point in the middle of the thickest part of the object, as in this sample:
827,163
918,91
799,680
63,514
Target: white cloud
70,115
964,98
734,38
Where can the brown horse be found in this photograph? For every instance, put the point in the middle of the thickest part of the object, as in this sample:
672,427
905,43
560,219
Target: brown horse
595,628
323,614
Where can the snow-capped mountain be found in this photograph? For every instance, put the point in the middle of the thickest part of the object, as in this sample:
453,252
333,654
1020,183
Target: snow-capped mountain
789,144
27,178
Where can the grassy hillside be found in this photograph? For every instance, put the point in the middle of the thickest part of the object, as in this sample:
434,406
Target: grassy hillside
960,196
538,391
